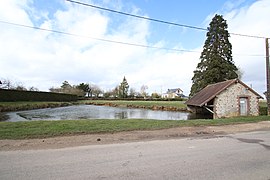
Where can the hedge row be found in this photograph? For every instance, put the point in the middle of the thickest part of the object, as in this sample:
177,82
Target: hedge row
15,95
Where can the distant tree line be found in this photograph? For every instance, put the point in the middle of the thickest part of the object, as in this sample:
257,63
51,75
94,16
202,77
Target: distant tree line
8,84
82,89
122,90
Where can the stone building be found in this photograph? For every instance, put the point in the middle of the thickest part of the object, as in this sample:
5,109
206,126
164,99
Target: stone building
226,99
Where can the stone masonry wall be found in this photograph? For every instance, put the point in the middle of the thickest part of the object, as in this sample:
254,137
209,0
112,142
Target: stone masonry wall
226,104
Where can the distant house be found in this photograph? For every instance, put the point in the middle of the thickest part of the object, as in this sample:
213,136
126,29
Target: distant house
226,99
173,93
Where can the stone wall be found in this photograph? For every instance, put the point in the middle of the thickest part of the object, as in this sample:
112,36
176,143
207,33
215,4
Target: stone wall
226,104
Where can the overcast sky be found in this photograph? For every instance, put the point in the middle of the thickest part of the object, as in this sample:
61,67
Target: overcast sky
45,59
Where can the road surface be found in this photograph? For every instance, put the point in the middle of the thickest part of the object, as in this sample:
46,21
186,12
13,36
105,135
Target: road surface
238,156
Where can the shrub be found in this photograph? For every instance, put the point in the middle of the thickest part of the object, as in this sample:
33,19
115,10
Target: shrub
263,110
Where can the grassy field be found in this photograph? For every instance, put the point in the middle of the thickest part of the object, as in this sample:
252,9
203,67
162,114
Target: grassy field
45,129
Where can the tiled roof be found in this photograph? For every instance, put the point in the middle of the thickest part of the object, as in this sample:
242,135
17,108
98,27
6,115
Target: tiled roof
211,91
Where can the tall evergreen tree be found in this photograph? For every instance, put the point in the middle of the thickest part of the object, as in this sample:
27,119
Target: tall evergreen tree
123,88
216,63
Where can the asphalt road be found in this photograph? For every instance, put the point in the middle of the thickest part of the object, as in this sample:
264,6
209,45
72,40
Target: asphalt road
239,156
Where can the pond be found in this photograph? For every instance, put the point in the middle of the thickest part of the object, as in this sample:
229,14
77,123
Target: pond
95,112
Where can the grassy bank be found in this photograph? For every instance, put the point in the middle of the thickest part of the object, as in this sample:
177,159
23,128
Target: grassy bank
179,104
155,105
45,129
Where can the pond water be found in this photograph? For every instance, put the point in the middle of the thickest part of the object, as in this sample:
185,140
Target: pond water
95,112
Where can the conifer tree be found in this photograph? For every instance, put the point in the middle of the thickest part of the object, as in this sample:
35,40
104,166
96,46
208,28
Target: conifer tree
123,88
216,63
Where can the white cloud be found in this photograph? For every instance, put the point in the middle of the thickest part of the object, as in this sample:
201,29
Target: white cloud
20,16
252,20
44,59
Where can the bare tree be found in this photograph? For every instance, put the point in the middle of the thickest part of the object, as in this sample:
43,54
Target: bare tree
33,89
19,86
132,92
6,84
96,90
240,72
55,90
143,90
115,91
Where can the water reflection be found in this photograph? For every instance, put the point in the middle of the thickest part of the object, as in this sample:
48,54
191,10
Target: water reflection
95,112
121,115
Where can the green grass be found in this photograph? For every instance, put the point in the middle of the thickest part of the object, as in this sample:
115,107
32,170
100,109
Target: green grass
178,104
45,129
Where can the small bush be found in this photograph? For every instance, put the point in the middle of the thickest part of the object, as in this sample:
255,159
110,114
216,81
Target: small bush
263,110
